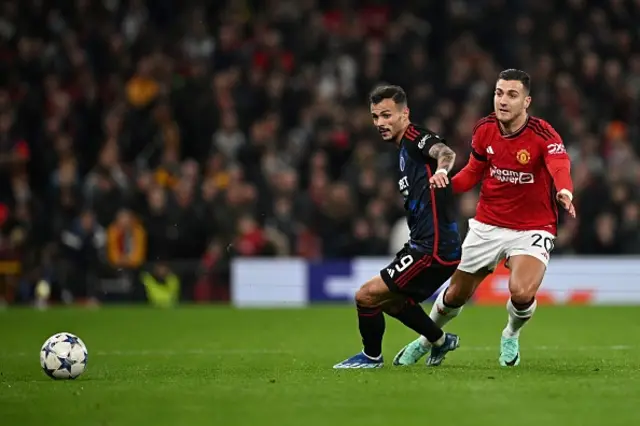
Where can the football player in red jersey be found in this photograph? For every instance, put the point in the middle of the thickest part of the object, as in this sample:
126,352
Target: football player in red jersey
525,170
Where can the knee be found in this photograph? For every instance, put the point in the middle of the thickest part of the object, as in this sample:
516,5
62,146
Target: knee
364,297
522,292
457,295
373,294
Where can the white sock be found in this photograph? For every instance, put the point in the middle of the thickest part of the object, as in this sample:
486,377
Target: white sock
424,342
517,318
441,315
440,341
374,358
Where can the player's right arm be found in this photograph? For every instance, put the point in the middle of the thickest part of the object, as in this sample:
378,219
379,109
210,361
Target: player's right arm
446,157
472,173
433,146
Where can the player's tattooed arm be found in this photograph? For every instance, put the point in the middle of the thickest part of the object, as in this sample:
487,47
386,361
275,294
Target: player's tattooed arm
446,156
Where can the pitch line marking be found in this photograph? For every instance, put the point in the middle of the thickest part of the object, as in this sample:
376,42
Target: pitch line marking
213,352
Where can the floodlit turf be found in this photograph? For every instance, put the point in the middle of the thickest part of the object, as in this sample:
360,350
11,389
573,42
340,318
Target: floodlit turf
218,366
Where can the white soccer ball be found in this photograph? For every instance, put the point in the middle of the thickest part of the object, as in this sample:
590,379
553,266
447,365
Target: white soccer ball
63,356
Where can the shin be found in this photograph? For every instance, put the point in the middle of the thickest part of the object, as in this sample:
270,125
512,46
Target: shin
525,280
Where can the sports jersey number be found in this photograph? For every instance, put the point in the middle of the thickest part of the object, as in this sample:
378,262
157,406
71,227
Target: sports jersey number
403,264
547,243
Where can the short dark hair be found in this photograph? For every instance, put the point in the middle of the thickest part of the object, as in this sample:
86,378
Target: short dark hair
395,93
519,75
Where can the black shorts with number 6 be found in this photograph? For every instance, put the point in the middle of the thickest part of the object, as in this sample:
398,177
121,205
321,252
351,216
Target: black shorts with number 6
415,274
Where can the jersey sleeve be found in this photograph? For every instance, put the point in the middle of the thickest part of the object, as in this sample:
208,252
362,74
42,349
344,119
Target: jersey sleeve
427,141
557,160
478,143
472,173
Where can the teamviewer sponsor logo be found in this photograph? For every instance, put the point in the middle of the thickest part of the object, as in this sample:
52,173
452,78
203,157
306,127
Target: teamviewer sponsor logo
511,176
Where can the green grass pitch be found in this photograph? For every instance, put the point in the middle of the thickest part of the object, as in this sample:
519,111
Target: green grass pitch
221,366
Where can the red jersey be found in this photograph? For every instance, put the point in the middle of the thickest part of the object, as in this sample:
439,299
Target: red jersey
520,174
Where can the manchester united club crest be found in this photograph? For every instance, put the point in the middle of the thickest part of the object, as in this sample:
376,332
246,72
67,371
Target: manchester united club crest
523,156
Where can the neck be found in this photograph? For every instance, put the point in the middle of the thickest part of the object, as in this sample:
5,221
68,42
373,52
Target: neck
401,133
515,125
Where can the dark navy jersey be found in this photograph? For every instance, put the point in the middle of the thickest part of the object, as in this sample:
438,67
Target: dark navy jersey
430,211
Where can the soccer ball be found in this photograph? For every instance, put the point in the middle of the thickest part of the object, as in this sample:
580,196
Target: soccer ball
63,356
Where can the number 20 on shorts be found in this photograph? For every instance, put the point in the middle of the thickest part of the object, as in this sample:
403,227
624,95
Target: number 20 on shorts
547,243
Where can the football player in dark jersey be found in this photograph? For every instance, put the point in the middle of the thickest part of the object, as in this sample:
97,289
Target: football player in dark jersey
433,251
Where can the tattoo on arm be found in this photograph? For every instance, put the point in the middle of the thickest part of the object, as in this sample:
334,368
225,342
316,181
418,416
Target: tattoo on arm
445,156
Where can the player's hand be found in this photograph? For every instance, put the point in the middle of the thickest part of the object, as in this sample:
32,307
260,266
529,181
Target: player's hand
439,179
565,199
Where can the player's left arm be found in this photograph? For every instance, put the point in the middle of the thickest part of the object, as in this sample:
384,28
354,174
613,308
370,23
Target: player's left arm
446,158
558,164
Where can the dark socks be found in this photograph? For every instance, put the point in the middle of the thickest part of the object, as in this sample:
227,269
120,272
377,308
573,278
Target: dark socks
522,306
371,323
413,316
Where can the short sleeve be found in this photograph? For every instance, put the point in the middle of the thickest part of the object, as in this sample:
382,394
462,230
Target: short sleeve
478,143
427,141
554,146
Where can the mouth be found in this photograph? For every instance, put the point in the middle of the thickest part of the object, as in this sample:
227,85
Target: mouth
384,132
503,110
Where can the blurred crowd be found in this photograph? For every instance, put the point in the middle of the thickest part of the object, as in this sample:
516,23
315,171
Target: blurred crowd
160,131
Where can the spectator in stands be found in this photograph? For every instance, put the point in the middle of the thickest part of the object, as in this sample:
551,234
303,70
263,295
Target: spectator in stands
162,286
245,124
82,253
126,241
106,186
12,239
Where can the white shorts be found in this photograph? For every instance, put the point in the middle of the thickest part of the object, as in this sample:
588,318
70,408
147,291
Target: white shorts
486,245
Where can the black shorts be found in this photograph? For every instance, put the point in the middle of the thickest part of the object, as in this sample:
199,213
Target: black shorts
415,274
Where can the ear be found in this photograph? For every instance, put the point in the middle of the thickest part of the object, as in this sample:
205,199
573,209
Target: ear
527,102
405,112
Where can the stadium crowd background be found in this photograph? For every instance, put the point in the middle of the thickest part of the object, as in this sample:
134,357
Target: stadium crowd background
183,133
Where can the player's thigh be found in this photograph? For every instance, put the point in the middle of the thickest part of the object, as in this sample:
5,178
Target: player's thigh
463,285
424,284
482,248
414,275
528,257
526,277
434,278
